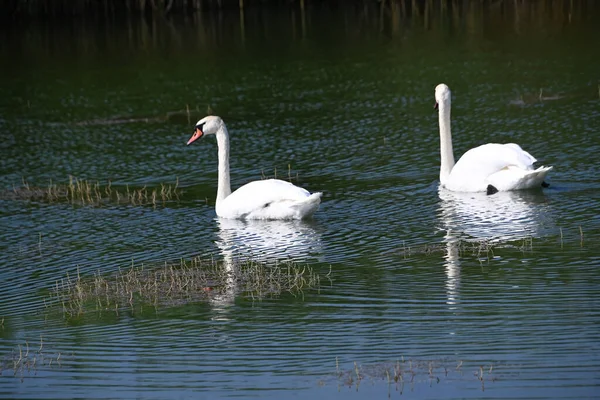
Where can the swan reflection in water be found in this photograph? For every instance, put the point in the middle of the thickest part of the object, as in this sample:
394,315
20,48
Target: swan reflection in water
263,241
476,217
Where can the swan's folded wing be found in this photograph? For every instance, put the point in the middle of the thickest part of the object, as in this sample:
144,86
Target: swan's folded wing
493,157
471,172
520,157
262,194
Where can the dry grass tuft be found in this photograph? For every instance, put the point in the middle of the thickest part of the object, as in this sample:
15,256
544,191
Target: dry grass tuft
83,192
29,357
481,249
172,284
289,177
406,373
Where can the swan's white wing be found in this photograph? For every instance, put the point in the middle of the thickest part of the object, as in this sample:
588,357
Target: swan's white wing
493,157
268,199
520,157
501,165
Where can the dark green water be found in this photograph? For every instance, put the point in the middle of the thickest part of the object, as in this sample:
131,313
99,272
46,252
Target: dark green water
344,98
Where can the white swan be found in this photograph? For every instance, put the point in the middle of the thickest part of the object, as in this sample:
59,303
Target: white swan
488,168
265,199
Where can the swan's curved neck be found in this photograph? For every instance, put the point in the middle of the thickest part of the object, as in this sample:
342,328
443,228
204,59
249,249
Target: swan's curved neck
224,187
446,152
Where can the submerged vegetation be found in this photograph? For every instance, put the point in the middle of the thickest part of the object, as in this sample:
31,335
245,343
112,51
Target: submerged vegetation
172,284
83,192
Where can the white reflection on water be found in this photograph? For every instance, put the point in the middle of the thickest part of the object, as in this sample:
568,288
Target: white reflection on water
261,241
475,217
499,217
268,241
452,269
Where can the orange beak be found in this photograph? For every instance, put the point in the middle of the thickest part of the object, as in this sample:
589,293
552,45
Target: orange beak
197,135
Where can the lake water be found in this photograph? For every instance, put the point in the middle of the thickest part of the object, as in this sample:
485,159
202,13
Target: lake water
459,296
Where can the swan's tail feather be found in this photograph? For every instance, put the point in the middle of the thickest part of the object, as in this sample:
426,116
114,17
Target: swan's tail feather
535,178
515,178
307,207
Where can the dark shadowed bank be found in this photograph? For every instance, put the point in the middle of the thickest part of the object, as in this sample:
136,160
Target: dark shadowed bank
108,9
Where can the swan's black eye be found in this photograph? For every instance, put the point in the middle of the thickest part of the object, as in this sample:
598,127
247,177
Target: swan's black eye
199,126
436,105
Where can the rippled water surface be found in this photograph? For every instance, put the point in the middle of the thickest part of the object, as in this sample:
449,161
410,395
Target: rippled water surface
454,295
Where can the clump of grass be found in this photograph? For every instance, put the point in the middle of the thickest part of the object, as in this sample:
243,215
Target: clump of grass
482,249
479,248
413,371
171,284
84,192
28,358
